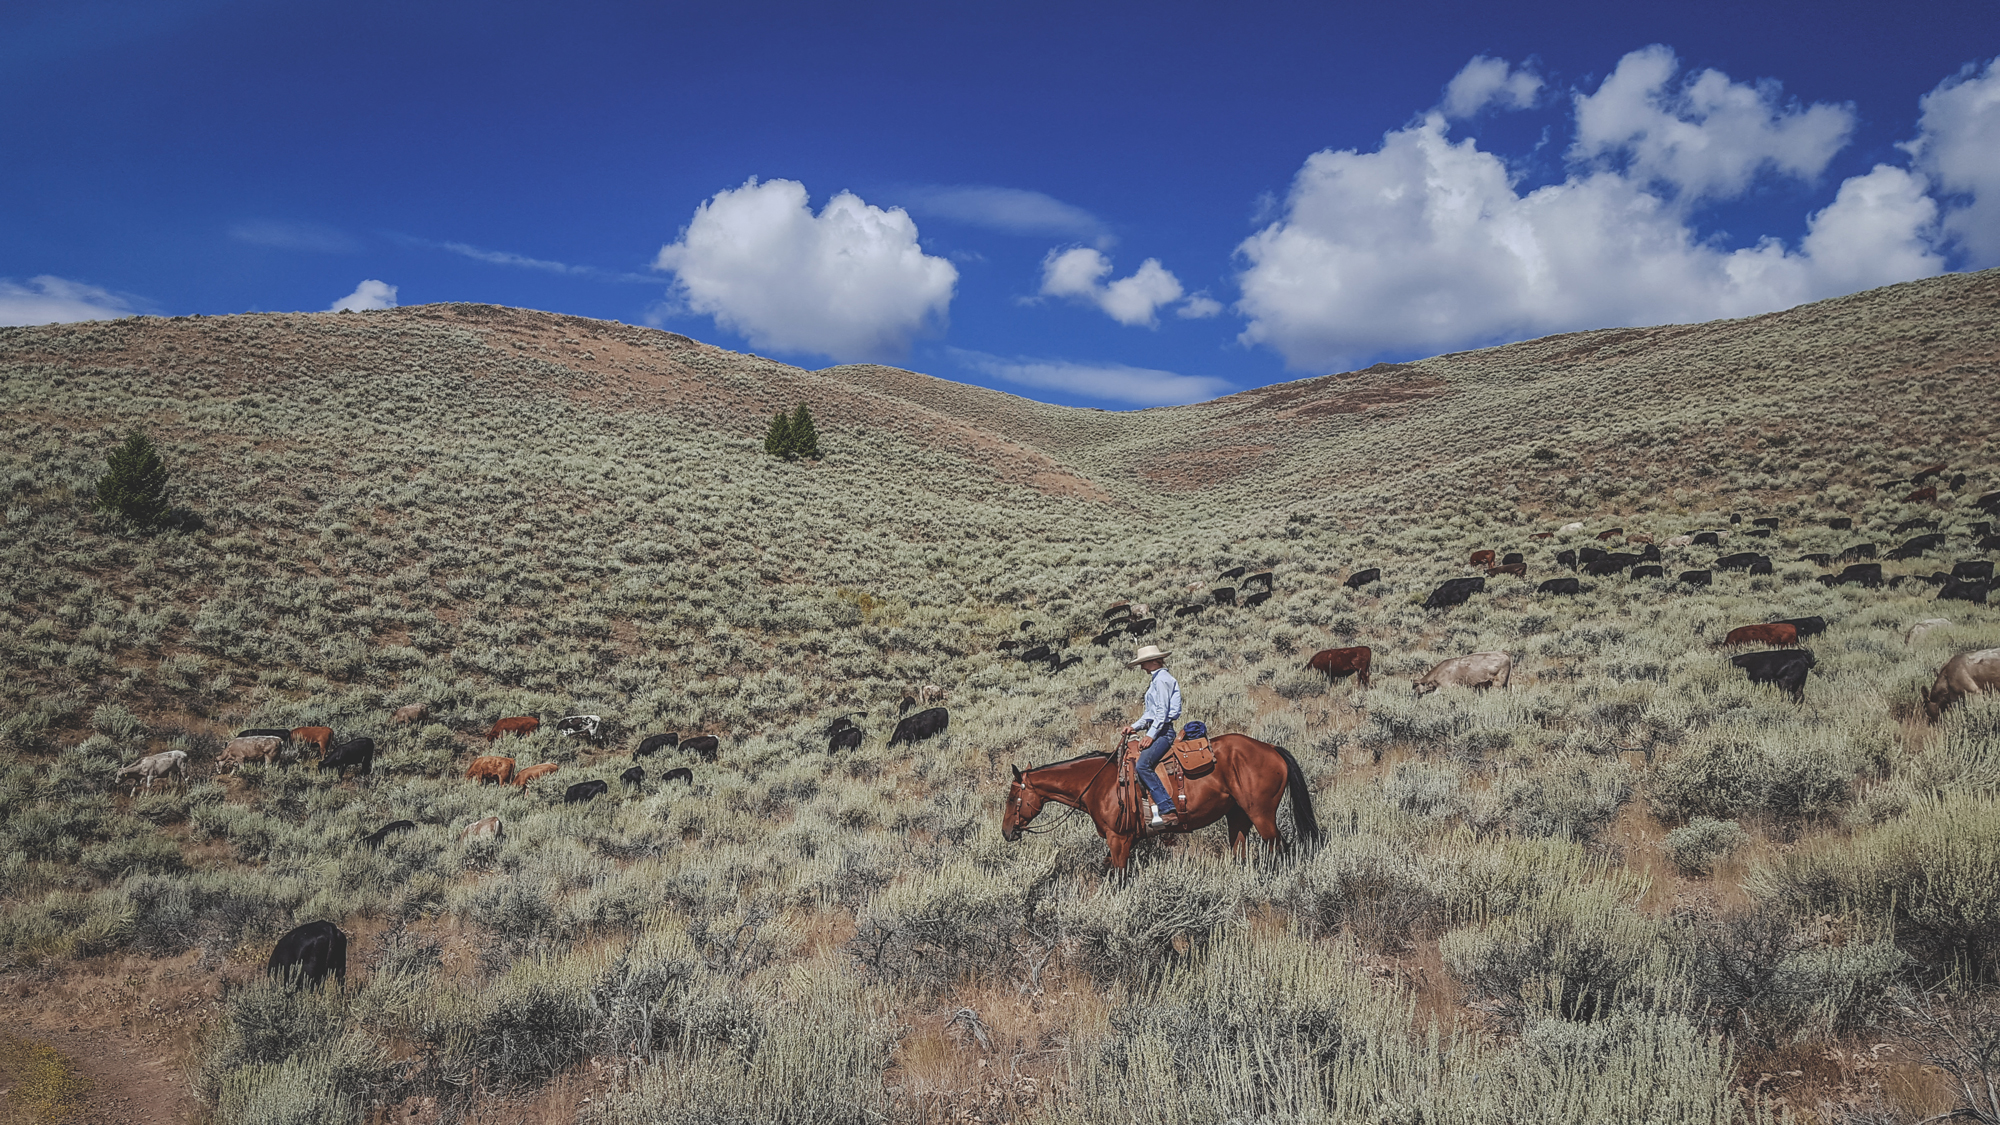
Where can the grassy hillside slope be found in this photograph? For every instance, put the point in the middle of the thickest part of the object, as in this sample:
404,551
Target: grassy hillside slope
1634,885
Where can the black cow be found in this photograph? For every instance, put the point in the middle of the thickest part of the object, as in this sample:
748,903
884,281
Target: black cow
1589,554
1610,564
707,747
1913,525
374,839
1856,553
1807,626
1362,578
1841,523
654,743
1233,572
1184,611
846,738
1649,572
1765,521
634,776
1696,577
1027,626
922,725
1224,595
1983,527
1818,558
1650,553
359,754
1454,592
1513,557
1566,558
1103,638
307,953
1258,598
1707,539
1915,548
1741,560
903,706
1988,503
1979,570
1070,661
1786,669
1140,626
1990,543
1565,586
1120,610
1761,565
1859,574
1039,652
1955,590
1008,645
678,773
584,791
1263,576
1735,517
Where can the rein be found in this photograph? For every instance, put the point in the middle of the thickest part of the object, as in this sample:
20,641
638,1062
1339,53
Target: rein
1057,798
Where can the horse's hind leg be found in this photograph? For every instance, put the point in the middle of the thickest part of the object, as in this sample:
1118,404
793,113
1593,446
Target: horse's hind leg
1239,831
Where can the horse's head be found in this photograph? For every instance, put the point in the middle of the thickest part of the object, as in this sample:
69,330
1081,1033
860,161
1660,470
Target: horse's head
1023,802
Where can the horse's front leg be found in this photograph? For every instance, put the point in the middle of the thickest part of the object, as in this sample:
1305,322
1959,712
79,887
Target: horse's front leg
1121,849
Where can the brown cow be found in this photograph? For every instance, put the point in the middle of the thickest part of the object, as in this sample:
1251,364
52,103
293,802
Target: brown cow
1518,570
1338,662
1482,558
1612,533
254,748
409,714
321,737
490,767
1921,495
1638,538
1965,674
1479,670
1777,634
489,826
522,725
522,779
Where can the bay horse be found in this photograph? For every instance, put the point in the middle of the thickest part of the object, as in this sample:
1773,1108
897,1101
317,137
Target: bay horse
1249,780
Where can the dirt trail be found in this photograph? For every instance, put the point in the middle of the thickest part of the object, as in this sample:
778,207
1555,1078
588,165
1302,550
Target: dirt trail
128,1033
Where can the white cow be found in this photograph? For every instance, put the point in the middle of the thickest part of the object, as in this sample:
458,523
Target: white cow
1479,670
170,763
1918,630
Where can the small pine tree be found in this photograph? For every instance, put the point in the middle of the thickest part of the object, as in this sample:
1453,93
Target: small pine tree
134,484
778,439
805,438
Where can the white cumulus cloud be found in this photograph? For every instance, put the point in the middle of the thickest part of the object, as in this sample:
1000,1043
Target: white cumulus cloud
1706,135
851,282
55,300
368,295
1079,274
1111,382
1486,81
1958,146
1427,243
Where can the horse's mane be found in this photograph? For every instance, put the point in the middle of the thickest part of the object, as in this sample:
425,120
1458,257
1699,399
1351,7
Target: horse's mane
1066,761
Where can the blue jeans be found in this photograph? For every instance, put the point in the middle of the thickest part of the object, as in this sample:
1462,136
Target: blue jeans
1149,759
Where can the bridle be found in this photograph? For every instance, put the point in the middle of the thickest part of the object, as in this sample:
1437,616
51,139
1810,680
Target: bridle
1052,825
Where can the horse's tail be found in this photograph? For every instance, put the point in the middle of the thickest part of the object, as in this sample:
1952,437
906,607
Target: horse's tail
1302,798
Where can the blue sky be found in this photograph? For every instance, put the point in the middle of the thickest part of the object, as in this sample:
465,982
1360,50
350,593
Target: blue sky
1110,205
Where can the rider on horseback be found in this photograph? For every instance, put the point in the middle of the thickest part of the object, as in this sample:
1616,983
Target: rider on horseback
1163,707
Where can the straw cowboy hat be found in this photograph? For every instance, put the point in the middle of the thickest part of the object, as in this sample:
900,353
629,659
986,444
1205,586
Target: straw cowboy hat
1150,652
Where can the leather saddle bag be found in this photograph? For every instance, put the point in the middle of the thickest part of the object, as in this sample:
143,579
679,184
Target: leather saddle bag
1195,755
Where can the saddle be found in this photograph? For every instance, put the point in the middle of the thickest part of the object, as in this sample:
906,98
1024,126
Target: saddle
1188,759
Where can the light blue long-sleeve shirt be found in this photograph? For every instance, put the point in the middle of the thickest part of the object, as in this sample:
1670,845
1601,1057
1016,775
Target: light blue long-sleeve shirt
1163,703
